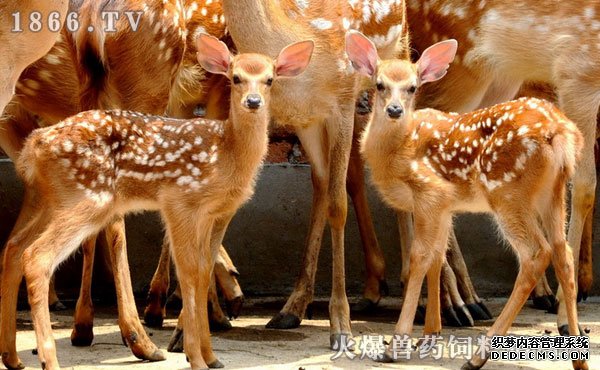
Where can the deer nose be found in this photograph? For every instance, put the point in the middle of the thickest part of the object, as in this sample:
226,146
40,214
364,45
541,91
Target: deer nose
394,111
253,101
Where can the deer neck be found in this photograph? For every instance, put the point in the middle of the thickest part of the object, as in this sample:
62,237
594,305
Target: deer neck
384,143
245,141
259,26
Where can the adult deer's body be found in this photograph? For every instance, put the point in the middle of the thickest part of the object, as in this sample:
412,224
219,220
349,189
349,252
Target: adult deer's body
23,47
196,172
512,160
504,44
49,91
323,121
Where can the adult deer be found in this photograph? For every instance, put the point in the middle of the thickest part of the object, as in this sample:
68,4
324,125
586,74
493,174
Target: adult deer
510,160
20,46
323,122
196,172
503,45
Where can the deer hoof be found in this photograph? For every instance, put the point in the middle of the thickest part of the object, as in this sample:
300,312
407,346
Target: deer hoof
176,342
284,321
234,307
364,306
216,364
477,313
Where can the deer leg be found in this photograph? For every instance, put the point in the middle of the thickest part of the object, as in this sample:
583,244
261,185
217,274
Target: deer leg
132,330
534,253
375,284
216,318
455,310
83,327
65,233
543,298
405,228
580,103
474,305
426,257
226,274
155,310
176,344
292,313
31,221
563,262
339,132
585,273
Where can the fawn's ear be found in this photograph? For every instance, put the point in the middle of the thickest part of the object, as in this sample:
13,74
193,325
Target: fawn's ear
294,58
362,53
436,59
213,55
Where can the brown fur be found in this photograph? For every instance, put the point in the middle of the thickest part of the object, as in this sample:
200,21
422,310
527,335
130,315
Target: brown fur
49,89
503,46
191,170
510,160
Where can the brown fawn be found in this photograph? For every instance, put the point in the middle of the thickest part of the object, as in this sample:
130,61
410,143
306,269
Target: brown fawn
49,91
99,165
512,160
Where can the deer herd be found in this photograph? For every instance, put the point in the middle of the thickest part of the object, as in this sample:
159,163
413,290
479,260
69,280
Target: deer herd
166,118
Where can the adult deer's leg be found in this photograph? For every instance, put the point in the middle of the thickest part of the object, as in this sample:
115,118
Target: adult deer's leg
292,313
580,103
454,308
83,327
226,274
132,330
553,218
375,284
339,133
454,257
585,273
155,310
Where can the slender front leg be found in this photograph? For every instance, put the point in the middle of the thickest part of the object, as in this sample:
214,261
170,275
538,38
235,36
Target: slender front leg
132,330
375,284
292,313
339,132
83,326
177,342
406,233
431,235
155,311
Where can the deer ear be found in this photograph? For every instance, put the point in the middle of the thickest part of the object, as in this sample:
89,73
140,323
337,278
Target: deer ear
294,58
436,59
362,53
213,55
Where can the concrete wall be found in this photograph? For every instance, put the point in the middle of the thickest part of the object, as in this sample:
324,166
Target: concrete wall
266,239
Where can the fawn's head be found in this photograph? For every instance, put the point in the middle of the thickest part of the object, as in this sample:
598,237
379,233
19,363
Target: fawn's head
252,75
397,80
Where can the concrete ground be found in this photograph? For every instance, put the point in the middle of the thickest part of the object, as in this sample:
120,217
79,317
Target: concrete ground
250,346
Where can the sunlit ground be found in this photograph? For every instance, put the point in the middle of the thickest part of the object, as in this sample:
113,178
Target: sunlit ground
250,346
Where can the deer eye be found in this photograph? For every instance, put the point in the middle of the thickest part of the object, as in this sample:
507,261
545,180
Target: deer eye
412,89
380,86
270,81
236,79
